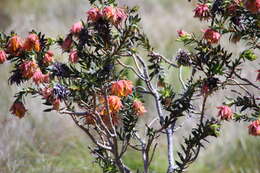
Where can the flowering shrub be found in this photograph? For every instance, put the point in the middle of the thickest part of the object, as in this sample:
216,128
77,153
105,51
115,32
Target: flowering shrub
94,89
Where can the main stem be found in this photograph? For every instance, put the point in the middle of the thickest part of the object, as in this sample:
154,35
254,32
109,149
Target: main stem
169,133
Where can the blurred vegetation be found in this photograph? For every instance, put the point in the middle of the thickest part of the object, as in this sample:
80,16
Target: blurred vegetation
45,143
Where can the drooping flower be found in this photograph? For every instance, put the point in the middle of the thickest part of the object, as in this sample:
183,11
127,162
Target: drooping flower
76,28
254,128
14,45
225,113
73,57
252,5
48,58
28,68
122,88
139,107
109,13
38,77
120,16
94,14
67,43
56,104
211,36
32,42
18,109
114,103
202,12
3,56
258,76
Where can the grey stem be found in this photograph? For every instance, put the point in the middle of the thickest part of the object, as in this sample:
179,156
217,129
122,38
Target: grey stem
169,133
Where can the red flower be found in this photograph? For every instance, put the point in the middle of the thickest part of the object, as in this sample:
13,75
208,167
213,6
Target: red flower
258,76
14,45
211,36
254,128
18,109
56,104
93,14
252,5
46,92
202,11
73,57
67,43
225,113
76,28
114,103
48,58
32,43
28,69
3,56
122,88
38,77
139,107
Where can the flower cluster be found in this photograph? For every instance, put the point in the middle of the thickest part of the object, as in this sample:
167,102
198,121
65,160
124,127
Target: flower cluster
115,15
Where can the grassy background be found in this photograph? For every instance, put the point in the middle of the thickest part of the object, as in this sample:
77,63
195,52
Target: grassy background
47,143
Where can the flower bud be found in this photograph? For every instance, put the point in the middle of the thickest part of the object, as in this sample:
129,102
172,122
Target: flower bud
48,58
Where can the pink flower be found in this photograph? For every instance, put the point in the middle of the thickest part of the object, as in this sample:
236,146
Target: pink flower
76,28
73,57
109,13
94,14
38,77
252,5
258,76
67,43
28,68
139,107
48,58
202,12
254,128
3,56
211,36
120,16
225,113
